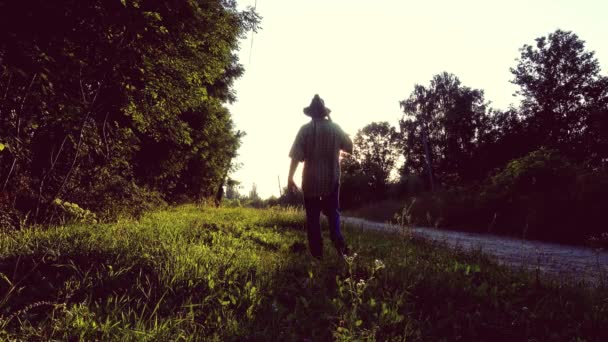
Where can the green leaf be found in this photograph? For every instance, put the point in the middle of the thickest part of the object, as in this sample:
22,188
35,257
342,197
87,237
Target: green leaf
2,146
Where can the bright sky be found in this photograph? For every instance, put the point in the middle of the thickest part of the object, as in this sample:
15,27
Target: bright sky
363,57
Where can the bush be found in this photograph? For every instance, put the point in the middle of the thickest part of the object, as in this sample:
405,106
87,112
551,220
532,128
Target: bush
72,212
539,196
591,202
231,203
109,125
126,199
9,218
533,197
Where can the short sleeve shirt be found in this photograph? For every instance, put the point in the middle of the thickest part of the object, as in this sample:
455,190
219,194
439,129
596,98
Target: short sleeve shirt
318,144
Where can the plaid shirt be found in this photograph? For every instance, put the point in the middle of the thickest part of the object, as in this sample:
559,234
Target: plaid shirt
318,145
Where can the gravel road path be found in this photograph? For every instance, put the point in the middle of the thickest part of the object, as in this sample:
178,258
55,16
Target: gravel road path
566,262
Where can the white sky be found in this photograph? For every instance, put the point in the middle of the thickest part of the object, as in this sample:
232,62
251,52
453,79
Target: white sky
363,57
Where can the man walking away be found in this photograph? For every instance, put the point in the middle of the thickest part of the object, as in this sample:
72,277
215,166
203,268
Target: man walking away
318,144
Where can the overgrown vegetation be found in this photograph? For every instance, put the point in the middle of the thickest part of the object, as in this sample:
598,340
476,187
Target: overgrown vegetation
197,273
474,167
115,104
540,196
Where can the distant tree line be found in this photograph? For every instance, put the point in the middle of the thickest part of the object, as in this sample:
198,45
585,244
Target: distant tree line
538,169
113,105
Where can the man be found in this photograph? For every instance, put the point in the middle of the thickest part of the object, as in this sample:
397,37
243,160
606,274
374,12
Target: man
318,145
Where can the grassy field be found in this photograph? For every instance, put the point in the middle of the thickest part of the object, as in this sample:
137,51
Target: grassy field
197,273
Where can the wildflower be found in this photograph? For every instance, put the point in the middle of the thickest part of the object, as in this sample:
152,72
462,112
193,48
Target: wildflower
379,264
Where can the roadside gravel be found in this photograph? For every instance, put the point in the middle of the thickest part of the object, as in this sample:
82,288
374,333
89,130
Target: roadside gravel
563,261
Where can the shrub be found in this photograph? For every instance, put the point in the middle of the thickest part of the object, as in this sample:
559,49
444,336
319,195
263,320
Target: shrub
533,196
9,219
126,199
539,196
72,212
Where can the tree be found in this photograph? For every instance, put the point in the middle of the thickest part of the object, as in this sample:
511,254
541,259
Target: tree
253,193
563,95
105,101
232,189
355,188
291,197
442,125
596,139
376,149
503,139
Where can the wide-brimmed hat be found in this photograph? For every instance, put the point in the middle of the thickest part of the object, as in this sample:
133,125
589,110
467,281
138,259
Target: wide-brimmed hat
317,108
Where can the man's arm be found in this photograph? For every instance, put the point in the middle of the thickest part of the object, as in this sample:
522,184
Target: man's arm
291,185
296,154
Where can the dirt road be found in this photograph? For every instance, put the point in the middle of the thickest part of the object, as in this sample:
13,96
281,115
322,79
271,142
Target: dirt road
566,262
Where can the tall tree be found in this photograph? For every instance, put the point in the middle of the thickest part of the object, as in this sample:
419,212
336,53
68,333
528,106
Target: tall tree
355,188
232,189
376,148
104,100
441,125
564,95
503,139
253,193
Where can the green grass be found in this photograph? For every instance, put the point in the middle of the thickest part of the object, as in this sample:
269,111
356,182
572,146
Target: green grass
197,273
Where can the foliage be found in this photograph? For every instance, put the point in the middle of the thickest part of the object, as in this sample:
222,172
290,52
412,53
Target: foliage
538,172
504,171
528,193
366,172
376,149
101,96
9,219
564,97
504,138
71,212
441,127
232,189
253,193
355,183
288,199
539,196
199,273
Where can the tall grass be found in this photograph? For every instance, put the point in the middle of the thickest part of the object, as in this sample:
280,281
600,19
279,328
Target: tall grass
197,273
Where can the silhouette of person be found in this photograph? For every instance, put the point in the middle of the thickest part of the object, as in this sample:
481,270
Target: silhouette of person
318,144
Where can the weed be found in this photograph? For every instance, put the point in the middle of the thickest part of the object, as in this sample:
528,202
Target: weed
199,273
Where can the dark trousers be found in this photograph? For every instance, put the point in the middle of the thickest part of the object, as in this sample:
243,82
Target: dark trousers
329,205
